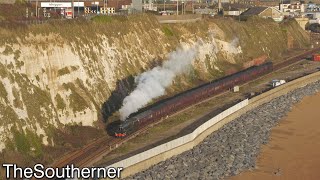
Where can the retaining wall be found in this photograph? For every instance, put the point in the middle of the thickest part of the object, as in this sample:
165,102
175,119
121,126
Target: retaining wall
184,140
160,153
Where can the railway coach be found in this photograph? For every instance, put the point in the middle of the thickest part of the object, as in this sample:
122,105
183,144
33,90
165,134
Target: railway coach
188,98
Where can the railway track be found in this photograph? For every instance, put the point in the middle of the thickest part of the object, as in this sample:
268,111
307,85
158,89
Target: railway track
91,153
88,155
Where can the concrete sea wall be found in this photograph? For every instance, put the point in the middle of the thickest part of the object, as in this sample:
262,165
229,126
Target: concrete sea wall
186,141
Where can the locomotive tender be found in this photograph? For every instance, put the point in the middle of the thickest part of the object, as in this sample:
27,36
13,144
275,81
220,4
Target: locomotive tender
188,98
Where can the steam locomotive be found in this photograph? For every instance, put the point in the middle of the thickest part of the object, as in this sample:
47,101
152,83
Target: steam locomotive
186,99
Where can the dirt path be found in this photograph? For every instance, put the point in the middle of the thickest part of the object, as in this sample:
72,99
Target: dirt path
294,148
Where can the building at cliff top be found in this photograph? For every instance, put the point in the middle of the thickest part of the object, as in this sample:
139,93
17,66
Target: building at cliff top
292,7
264,12
86,7
136,5
117,4
269,3
313,7
230,9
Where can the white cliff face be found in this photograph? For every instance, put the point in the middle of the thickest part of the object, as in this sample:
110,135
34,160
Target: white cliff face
56,84
75,84
2,138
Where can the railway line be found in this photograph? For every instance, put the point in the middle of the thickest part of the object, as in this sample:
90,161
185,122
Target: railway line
91,153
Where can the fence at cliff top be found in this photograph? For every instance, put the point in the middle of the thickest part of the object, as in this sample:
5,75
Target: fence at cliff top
179,141
179,19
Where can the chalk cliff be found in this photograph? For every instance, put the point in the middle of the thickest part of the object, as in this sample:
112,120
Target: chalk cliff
61,74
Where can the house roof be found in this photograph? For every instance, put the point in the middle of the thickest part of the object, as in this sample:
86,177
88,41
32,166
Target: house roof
254,11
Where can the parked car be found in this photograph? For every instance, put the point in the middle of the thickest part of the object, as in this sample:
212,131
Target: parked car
276,82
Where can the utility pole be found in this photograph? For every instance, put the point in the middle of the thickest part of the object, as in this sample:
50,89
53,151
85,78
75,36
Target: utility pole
177,7
219,6
37,8
104,7
192,7
164,5
182,8
72,9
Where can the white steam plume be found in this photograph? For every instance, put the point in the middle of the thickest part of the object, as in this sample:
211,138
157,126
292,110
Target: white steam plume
152,84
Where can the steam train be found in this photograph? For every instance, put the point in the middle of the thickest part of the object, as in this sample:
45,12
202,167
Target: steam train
186,99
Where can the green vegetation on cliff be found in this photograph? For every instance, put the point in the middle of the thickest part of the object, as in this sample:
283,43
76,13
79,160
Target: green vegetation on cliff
60,102
3,92
77,102
28,143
